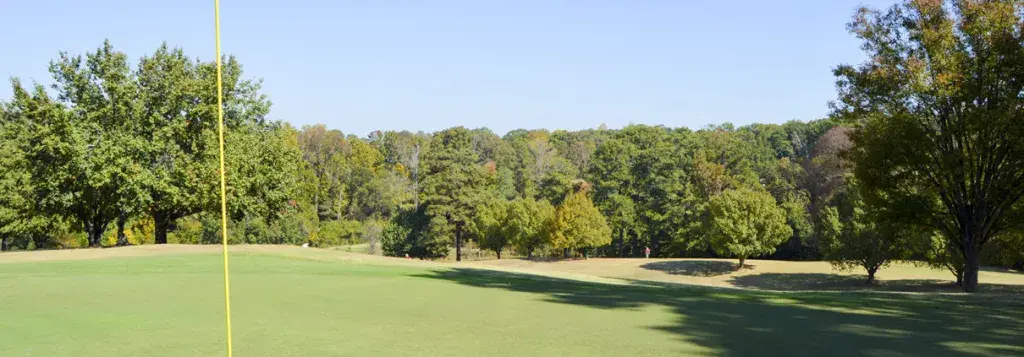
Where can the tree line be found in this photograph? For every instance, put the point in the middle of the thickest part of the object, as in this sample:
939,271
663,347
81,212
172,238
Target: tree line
922,158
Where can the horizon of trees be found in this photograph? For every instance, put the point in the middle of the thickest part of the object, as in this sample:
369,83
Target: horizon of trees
906,168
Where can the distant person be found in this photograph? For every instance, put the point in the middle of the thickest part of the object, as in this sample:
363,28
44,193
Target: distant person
647,252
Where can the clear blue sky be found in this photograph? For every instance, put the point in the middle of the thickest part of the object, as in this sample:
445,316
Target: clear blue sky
431,64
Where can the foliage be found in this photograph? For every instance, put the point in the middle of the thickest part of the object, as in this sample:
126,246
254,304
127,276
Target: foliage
395,239
529,224
940,254
746,222
335,233
940,133
578,224
856,235
415,233
490,225
372,235
85,160
178,97
454,184
1007,249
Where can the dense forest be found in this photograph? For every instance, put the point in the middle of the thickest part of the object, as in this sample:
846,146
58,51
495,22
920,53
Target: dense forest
920,162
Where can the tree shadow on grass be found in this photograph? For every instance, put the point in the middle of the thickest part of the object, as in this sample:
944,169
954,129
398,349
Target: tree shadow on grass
835,282
734,322
701,268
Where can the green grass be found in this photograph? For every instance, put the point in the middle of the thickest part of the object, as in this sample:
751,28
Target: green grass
173,306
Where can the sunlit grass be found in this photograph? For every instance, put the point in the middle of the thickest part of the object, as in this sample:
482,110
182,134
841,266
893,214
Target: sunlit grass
307,304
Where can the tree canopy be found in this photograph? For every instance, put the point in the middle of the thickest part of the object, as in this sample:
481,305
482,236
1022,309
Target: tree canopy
746,222
939,139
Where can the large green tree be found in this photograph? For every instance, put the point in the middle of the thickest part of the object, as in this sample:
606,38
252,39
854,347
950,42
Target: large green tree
262,169
320,147
85,160
491,226
578,224
938,108
15,182
454,185
746,222
640,164
528,223
855,235
26,220
178,99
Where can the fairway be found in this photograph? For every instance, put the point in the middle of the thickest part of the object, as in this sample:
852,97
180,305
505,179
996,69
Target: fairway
288,304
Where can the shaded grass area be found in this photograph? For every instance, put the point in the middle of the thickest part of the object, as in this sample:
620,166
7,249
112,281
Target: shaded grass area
820,276
172,306
701,268
835,282
745,323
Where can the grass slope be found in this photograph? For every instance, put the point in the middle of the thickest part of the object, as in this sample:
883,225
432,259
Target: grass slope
289,306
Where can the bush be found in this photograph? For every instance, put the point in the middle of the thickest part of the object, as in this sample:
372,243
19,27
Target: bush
1006,249
372,232
395,239
335,233
189,231
414,233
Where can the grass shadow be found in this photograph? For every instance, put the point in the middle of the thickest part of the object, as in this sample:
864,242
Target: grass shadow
759,323
699,268
836,282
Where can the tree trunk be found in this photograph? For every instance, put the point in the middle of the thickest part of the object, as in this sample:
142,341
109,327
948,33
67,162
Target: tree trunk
871,275
96,234
634,245
499,253
3,244
622,244
161,223
458,242
529,254
565,253
960,278
40,241
971,266
742,260
122,240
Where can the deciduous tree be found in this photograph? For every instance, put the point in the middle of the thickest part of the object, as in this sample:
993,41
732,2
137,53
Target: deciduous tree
529,224
938,108
579,225
855,235
746,222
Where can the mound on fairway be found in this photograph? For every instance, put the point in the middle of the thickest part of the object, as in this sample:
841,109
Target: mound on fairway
290,303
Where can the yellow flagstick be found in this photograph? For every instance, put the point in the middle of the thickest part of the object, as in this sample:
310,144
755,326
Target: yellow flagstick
223,181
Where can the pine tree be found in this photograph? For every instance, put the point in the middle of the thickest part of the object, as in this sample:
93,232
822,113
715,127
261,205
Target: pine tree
453,184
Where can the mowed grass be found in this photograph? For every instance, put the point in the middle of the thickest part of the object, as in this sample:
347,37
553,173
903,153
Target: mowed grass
774,275
293,306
